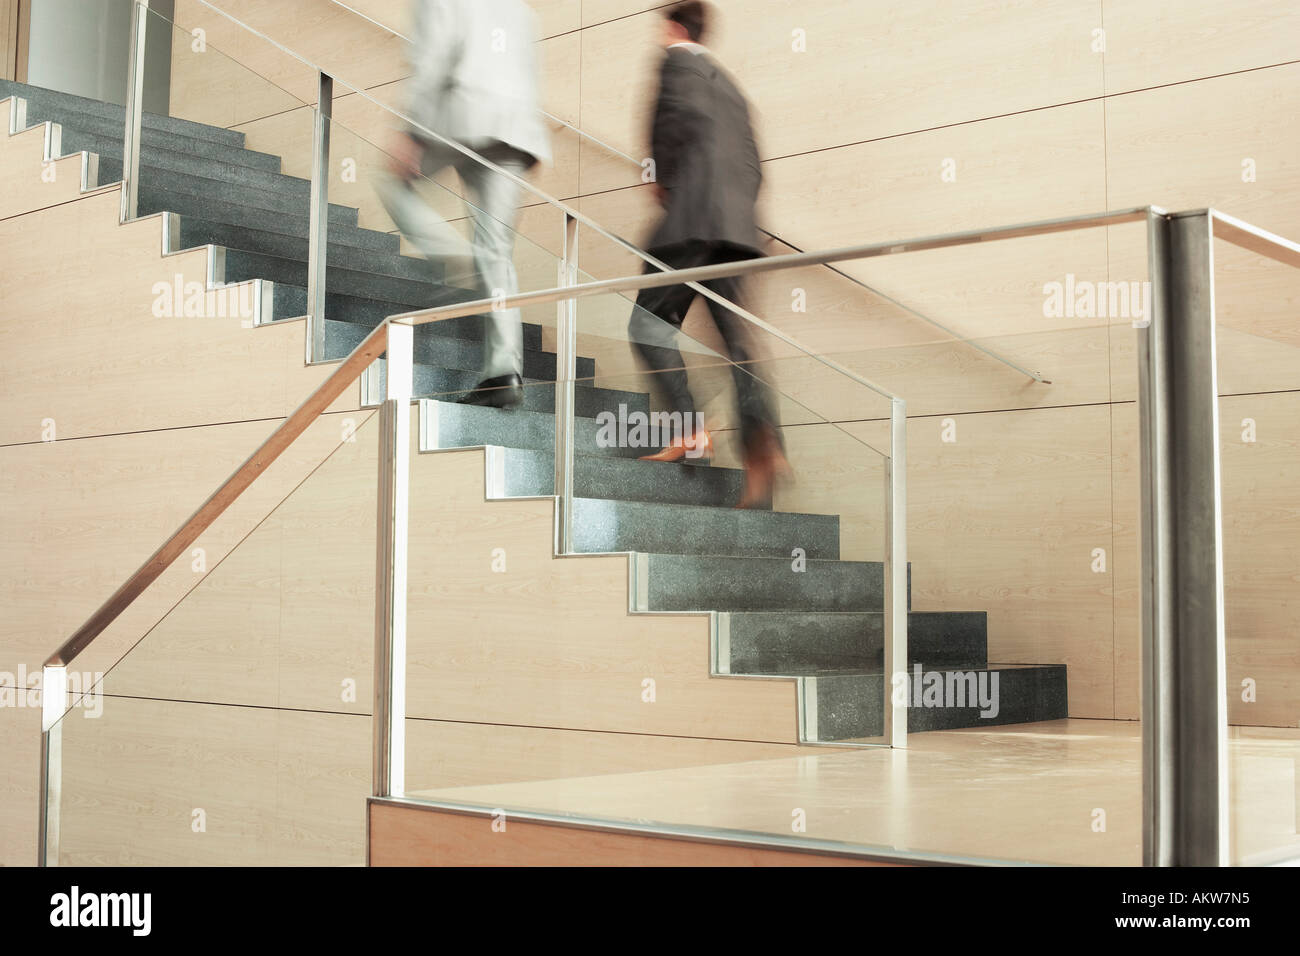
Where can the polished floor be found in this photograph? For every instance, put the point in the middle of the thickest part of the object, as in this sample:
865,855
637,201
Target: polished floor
1065,791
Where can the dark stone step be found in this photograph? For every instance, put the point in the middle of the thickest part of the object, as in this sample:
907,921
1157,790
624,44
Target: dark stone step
447,425
81,134
274,202
208,170
530,472
198,232
600,524
454,353
231,215
687,582
404,294
794,643
357,317
847,706
67,104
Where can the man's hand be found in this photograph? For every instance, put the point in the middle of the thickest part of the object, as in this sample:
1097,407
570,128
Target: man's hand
404,156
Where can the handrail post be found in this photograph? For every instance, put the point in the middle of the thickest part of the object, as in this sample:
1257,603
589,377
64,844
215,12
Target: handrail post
895,575
54,695
566,370
134,111
1184,691
389,757
318,226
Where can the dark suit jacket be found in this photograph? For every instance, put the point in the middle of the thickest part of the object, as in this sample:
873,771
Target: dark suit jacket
705,156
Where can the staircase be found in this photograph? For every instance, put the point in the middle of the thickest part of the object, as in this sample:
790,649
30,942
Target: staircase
693,550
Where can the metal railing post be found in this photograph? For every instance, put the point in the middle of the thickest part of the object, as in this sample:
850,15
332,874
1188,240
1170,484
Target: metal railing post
1184,694
134,110
895,584
318,227
566,370
54,696
389,757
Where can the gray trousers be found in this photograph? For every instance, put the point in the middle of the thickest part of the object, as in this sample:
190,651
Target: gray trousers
492,203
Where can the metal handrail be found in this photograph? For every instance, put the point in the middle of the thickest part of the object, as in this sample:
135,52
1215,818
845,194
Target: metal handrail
1164,803
376,342
614,150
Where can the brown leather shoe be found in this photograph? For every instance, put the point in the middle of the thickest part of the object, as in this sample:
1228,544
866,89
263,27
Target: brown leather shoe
765,463
696,449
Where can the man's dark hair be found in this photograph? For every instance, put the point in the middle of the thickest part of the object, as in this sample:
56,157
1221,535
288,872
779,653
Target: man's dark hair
693,15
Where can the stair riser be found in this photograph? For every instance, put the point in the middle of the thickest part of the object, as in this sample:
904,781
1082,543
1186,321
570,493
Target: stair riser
352,319
818,643
154,161
604,525
197,232
72,107
450,385
533,473
218,191
852,706
109,146
672,582
234,216
444,425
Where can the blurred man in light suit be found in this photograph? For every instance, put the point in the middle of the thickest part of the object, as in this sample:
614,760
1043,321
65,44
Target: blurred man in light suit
475,82
707,179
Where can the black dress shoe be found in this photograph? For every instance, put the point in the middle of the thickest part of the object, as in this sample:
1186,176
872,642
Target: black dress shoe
501,391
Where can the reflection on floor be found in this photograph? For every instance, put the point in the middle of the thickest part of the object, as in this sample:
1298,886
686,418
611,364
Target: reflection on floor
1064,791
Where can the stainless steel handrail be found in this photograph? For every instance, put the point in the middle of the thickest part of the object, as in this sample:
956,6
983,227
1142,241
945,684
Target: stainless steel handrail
614,150
1170,806
374,344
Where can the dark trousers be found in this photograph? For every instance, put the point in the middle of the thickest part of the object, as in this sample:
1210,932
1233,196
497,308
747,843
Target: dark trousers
658,317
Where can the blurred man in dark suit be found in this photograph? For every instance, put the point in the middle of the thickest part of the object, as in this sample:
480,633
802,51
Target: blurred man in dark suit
707,179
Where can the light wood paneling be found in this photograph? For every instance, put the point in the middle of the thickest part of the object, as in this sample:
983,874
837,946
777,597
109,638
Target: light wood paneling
1261,525
1182,147
11,38
1158,42
93,356
274,786
20,755
1004,519
861,77
26,182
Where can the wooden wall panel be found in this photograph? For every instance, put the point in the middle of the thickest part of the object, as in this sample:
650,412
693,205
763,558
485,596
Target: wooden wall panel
1004,519
1159,42
1182,147
861,77
1261,525
27,184
10,39
274,786
97,359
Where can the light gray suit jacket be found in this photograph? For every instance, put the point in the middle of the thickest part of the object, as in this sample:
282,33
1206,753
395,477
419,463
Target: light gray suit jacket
475,74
